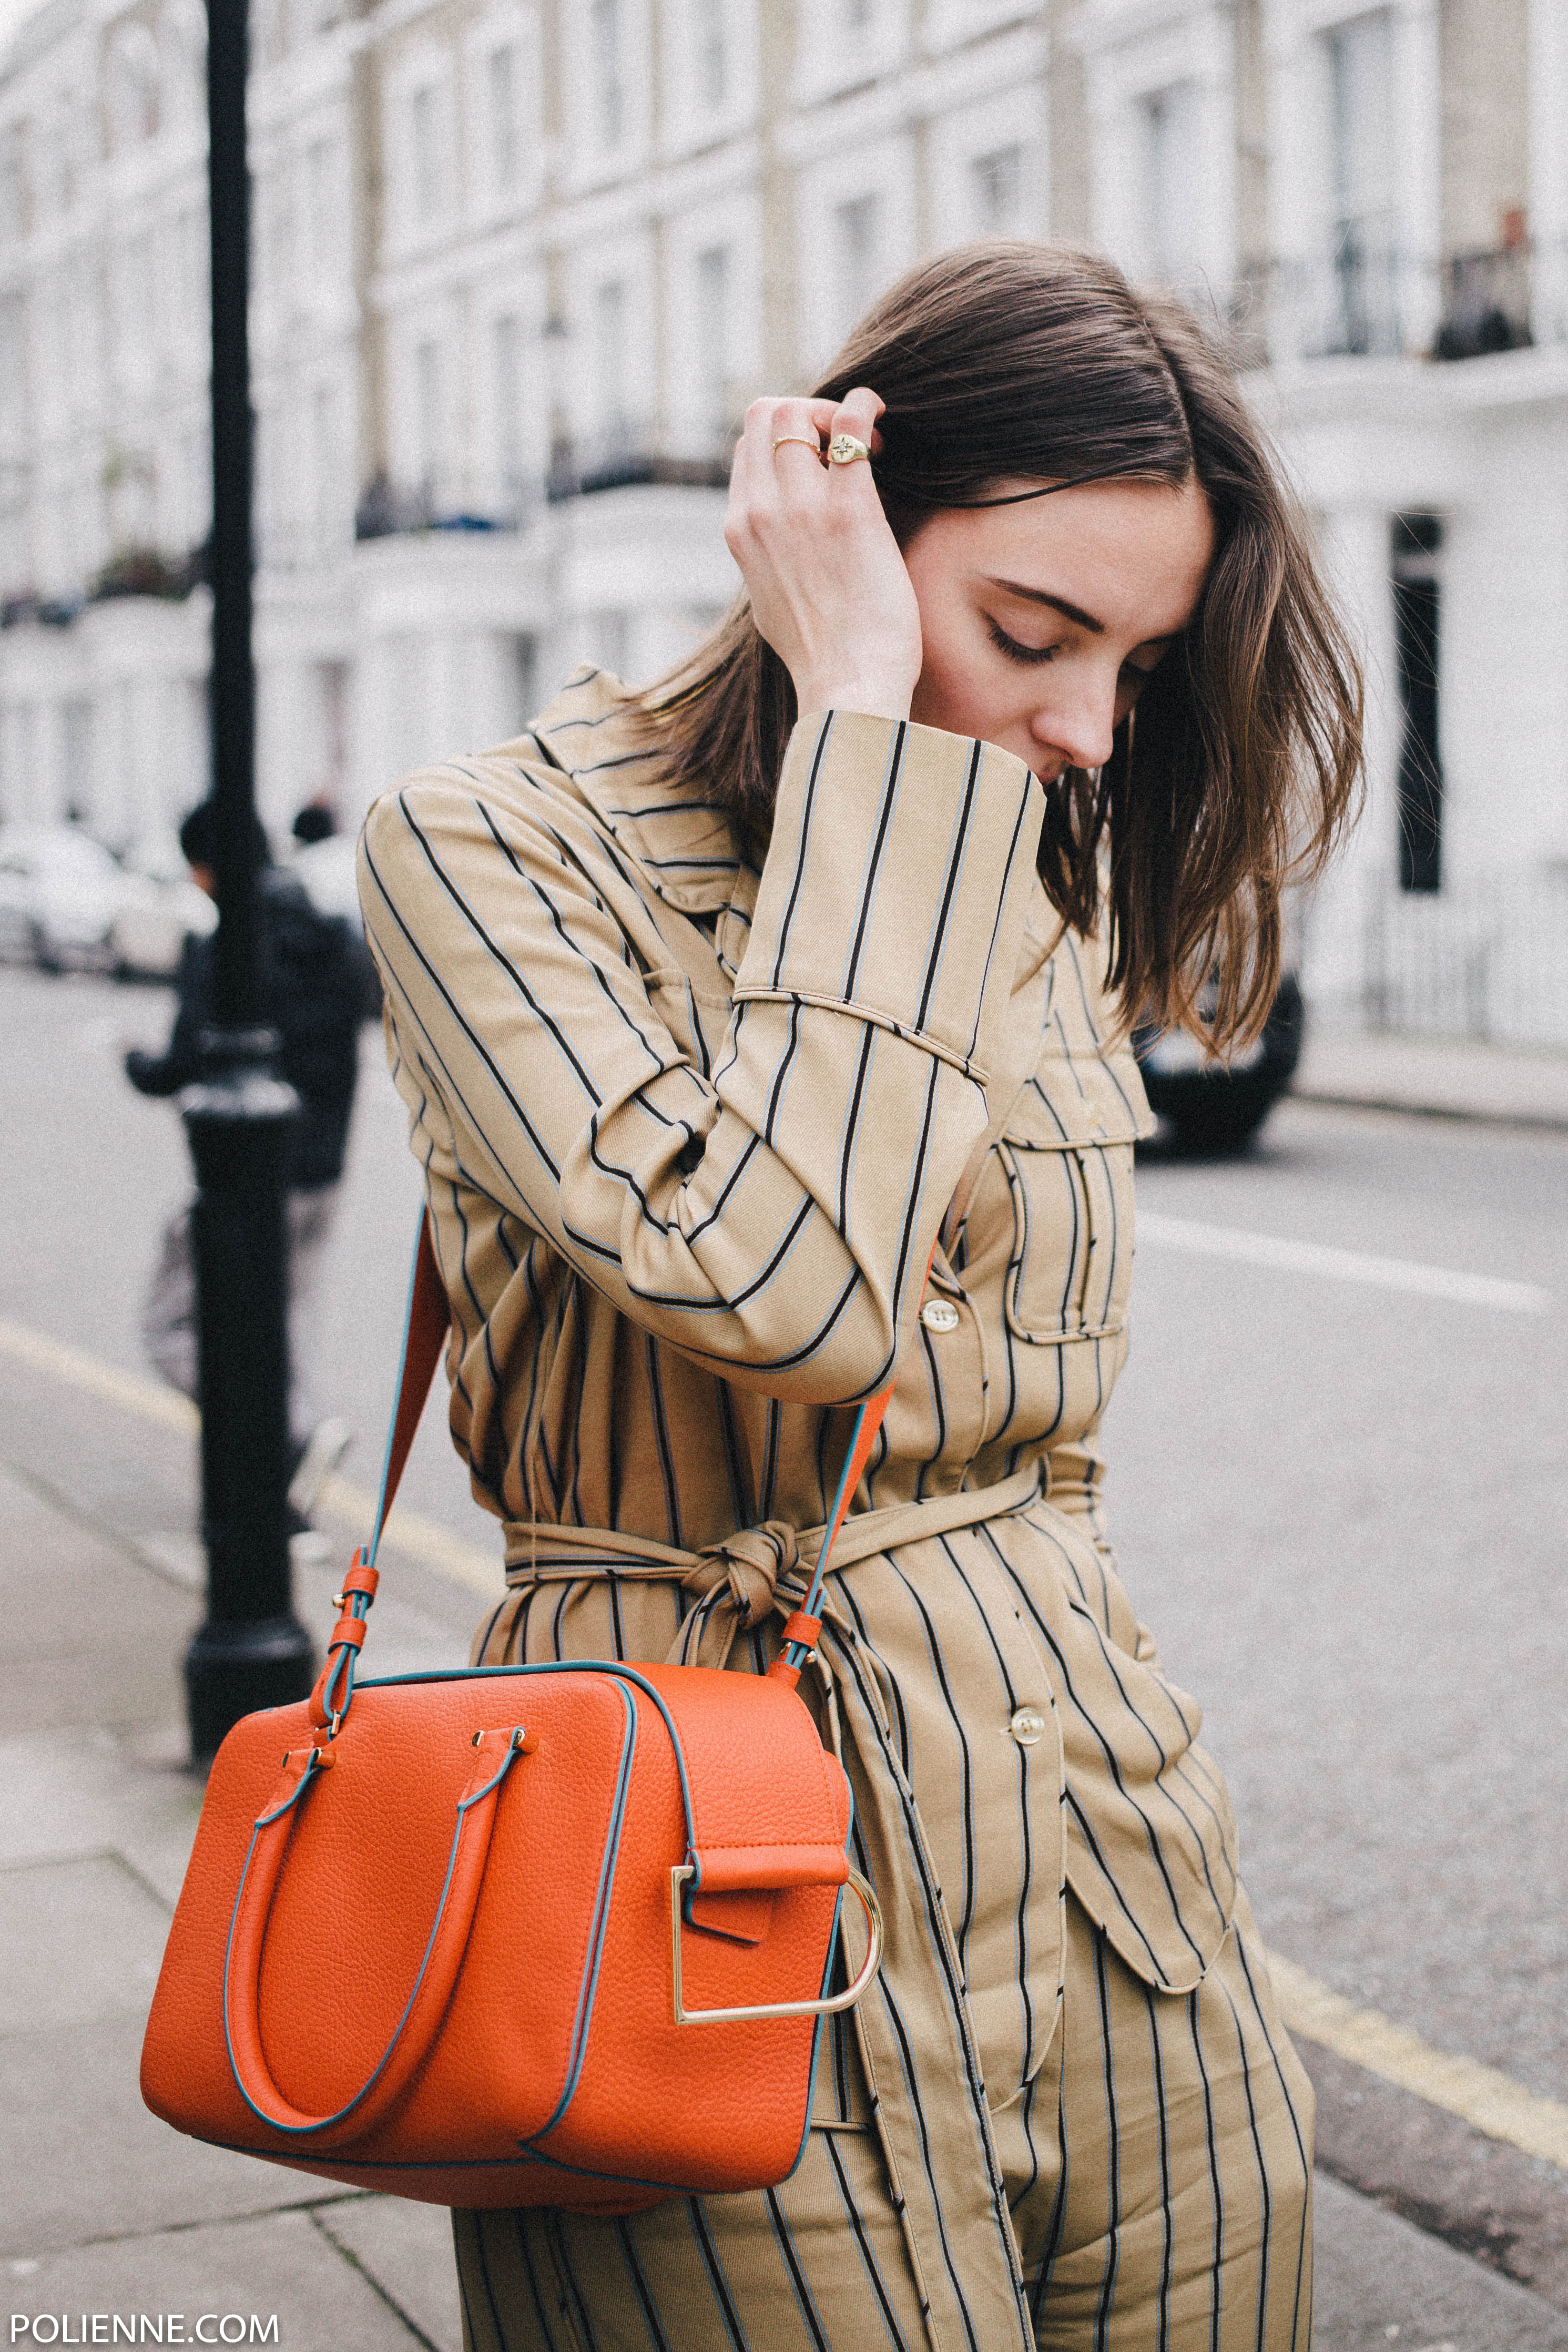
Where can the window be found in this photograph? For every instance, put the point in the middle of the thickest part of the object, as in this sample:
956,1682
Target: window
709,58
133,68
711,355
195,263
64,144
609,640
277,238
75,761
428,415
425,142
1417,613
12,361
327,484
609,365
134,323
997,179
196,486
1360,78
1172,225
506,351
609,87
12,187
320,204
856,235
503,95
523,665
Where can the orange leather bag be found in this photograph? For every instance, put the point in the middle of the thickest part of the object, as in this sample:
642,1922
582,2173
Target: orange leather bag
547,1935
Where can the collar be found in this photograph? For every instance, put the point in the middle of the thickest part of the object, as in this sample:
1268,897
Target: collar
684,843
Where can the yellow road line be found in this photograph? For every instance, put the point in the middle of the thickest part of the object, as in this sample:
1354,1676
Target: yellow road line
407,1532
1479,2095
150,1400
1491,2102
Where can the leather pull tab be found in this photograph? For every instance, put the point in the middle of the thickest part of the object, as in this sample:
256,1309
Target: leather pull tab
298,1763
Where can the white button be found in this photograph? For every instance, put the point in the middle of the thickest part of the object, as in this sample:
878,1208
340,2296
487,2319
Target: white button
1027,1726
938,1314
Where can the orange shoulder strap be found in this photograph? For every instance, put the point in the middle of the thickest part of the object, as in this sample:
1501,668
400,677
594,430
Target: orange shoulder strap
424,1336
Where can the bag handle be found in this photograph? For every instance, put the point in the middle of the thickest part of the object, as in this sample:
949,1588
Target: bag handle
427,2001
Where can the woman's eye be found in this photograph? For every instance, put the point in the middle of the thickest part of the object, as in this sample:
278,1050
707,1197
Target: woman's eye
1012,649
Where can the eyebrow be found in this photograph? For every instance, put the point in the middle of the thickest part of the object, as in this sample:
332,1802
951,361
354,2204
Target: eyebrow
1057,603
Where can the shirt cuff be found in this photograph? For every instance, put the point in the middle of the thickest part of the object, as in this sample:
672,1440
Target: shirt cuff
897,881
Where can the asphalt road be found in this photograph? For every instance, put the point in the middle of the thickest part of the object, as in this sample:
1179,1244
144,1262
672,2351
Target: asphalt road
1339,1495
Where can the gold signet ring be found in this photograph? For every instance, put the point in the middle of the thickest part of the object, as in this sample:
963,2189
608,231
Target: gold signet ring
814,445
844,449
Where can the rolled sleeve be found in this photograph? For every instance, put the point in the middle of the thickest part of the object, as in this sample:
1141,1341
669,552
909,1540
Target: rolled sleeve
897,882
768,1208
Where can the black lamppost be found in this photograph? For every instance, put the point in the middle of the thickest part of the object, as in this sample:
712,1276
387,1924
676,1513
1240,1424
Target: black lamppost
251,1651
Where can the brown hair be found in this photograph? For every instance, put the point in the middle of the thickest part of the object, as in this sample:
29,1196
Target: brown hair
1005,363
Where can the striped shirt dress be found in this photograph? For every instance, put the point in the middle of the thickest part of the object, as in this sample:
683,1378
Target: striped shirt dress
691,1133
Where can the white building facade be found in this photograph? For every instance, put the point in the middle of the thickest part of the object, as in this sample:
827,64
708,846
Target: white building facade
519,265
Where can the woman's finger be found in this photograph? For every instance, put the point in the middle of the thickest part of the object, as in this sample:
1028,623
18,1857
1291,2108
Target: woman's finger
795,440
830,418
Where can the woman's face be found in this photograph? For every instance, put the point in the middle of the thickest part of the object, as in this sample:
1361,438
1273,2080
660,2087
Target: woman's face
1040,622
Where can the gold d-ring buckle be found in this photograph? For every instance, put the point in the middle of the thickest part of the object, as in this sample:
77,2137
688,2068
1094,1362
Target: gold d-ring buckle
825,2008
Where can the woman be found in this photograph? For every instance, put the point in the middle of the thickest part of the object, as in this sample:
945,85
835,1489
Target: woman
714,1024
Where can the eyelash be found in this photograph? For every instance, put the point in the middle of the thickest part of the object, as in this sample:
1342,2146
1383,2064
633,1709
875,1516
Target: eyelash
1036,653
1014,650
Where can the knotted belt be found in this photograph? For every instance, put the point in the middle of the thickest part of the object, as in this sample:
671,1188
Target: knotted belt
952,2202
740,1581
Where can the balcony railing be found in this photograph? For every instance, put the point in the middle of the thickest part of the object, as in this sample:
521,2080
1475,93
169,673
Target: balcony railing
1486,304
620,456
1367,299
1487,961
616,459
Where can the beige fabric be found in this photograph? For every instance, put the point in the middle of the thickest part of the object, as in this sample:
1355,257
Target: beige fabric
690,1134
1157,2173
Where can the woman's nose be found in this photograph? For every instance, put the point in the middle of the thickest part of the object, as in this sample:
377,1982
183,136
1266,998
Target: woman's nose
1080,725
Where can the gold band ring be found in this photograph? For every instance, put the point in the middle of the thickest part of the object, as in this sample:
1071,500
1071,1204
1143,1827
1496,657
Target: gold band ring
814,445
844,449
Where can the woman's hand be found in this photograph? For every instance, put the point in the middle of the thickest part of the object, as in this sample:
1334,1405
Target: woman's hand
829,588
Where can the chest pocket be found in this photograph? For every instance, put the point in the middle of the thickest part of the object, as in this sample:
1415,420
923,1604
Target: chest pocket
1067,1150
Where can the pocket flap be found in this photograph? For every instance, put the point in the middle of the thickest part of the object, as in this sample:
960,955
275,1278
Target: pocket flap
1080,1100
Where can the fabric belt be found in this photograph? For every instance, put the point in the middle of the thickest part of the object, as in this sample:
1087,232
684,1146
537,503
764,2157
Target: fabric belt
754,1571
952,2203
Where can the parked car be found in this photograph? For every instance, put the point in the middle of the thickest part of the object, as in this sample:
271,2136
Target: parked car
59,892
159,903
1220,1106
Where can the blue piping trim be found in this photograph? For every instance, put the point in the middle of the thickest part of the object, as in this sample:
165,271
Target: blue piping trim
795,1653
261,1820
590,1984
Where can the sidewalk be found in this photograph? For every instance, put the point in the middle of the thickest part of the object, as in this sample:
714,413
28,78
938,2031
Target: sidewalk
107,2210
1450,1081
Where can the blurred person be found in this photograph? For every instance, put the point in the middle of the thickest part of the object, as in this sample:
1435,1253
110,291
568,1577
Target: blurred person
722,1009
313,993
313,823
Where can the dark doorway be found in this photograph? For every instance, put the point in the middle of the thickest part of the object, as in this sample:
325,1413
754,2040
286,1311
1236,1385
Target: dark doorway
1417,622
